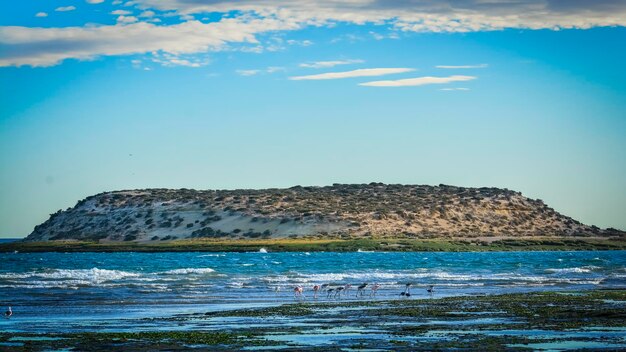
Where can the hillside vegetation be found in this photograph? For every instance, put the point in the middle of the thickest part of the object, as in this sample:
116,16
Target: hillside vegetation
340,211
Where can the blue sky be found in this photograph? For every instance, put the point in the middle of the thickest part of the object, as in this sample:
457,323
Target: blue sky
112,95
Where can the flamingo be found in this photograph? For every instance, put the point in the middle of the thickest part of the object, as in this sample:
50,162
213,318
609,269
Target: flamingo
407,290
375,288
8,313
315,289
297,292
359,290
431,289
346,288
338,291
329,292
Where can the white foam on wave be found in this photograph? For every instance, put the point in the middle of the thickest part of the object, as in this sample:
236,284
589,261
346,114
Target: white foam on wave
394,277
211,255
583,269
93,275
185,271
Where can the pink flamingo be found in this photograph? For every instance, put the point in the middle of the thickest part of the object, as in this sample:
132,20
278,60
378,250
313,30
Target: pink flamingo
375,288
297,292
316,288
347,288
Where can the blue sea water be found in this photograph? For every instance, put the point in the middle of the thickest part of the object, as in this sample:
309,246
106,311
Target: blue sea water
105,291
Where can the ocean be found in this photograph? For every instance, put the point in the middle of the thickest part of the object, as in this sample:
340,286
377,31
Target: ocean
72,292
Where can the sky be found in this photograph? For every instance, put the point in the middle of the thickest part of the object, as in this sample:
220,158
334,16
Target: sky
103,95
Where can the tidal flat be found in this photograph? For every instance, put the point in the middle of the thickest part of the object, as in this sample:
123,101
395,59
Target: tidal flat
569,320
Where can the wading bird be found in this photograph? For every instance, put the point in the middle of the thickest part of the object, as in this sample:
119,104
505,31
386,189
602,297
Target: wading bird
375,288
316,288
8,313
431,289
359,290
407,290
297,292
346,288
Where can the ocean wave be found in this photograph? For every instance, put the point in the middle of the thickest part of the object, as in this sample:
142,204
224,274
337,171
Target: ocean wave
399,277
583,269
185,271
89,275
211,255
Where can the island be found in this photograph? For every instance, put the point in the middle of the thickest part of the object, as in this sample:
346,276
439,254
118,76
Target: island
341,217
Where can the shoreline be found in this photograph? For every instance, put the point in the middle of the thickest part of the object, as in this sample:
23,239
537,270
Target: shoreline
558,320
327,245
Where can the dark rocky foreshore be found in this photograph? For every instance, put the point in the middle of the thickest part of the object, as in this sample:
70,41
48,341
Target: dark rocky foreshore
548,320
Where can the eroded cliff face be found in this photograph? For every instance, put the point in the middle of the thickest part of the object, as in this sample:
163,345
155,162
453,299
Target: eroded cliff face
347,211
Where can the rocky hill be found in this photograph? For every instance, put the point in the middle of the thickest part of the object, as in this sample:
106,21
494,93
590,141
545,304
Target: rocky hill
341,210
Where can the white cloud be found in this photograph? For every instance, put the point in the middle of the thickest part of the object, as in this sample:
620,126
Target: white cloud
246,18
300,42
127,19
366,72
454,89
120,12
462,66
147,13
172,60
41,14
49,46
65,8
95,1
418,81
422,15
270,70
273,69
248,72
328,64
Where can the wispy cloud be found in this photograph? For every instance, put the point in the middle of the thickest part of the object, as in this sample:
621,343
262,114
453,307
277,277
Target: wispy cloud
127,19
41,14
273,69
248,72
418,81
461,66
366,72
422,15
328,64
95,1
147,13
65,8
246,19
120,12
171,60
32,46
270,70
455,89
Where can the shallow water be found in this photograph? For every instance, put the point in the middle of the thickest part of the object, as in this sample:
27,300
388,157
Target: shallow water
52,292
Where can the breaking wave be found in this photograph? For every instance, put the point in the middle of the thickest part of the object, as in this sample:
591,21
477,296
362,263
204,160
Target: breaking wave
185,271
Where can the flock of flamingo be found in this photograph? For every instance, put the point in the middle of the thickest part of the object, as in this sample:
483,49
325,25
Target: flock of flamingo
338,291
331,292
